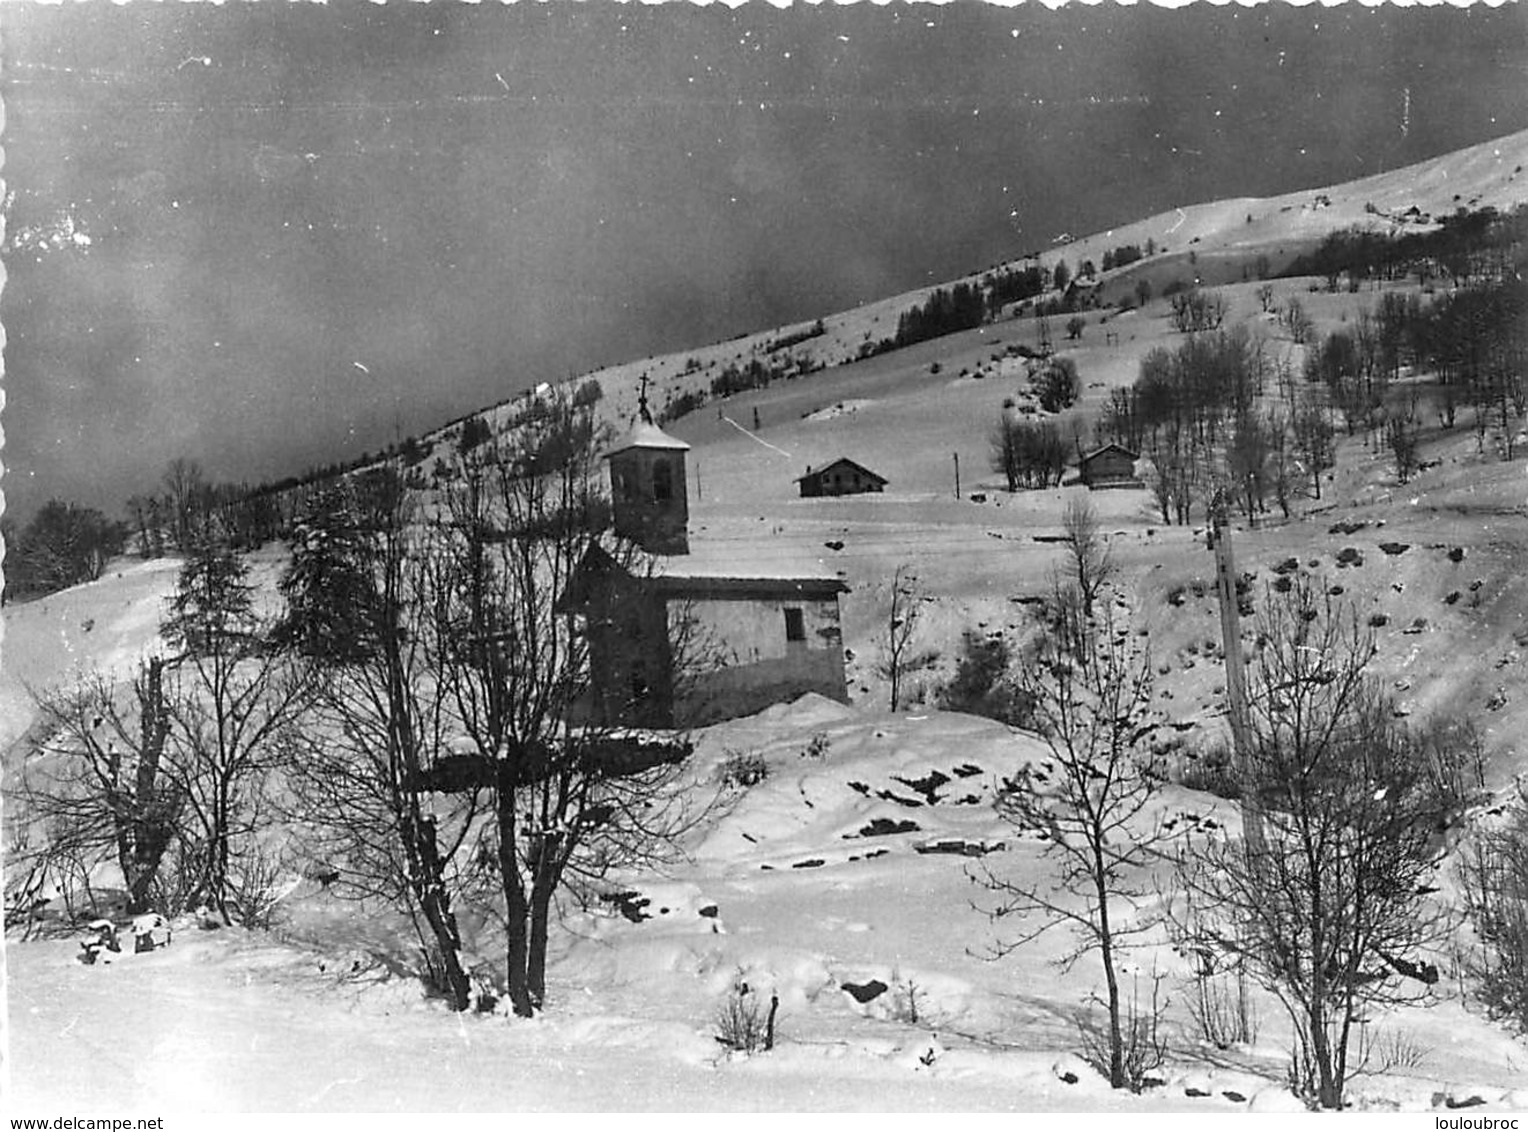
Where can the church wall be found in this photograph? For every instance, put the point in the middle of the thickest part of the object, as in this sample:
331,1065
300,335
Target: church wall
738,659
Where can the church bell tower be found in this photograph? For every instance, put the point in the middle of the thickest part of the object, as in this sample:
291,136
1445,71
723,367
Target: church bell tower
648,491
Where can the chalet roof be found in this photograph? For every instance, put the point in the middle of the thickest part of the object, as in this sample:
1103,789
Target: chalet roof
815,472
1101,449
645,434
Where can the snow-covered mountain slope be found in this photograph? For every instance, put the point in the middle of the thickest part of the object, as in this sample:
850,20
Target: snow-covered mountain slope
1216,241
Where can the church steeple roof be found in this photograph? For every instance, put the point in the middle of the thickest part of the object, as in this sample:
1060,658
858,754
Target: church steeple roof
644,435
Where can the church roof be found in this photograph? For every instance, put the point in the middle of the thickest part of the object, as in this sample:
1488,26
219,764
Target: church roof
695,587
736,567
645,434
762,563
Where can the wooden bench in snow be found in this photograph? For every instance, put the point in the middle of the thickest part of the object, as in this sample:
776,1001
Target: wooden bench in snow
149,932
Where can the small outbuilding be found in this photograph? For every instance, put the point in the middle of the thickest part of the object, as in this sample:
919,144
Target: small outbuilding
842,477
1112,465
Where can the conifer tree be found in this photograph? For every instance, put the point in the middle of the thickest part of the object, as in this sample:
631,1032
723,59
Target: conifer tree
328,585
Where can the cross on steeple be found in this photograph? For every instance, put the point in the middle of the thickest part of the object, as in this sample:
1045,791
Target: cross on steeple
643,414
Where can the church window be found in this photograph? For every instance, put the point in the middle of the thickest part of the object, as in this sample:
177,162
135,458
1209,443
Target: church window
795,625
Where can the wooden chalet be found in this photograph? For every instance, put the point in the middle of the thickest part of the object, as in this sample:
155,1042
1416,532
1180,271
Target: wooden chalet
842,477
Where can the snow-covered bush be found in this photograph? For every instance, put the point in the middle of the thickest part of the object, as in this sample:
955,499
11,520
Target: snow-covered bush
1223,1009
1210,769
1493,881
1141,1041
817,746
256,887
907,1003
744,1023
982,684
742,769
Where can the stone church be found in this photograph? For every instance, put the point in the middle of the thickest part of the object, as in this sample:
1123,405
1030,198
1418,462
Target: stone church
683,632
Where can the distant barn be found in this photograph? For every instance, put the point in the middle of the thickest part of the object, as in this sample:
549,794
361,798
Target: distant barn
1111,465
842,477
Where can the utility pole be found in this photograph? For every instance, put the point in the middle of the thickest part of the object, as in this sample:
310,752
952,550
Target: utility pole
1236,675
957,474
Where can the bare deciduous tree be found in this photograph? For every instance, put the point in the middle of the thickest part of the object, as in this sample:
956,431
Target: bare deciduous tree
235,704
1247,458
1401,437
1280,466
1313,440
186,488
99,781
1330,916
1029,454
1493,876
1088,799
1090,563
366,784
139,507
1195,311
1299,324
472,768
901,623
571,796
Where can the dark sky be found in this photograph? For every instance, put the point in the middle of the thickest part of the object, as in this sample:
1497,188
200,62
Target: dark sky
310,226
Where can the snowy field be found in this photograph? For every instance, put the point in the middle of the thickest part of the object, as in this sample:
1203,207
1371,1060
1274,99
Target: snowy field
839,869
